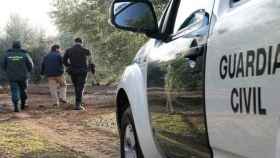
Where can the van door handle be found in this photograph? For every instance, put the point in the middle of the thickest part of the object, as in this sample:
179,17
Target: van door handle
195,52
191,57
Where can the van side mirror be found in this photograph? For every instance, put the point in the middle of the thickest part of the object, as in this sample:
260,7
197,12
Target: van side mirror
198,24
136,16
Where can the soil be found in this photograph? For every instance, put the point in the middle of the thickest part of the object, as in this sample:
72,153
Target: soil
43,131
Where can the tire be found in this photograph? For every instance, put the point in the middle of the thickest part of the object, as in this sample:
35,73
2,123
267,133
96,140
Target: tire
130,147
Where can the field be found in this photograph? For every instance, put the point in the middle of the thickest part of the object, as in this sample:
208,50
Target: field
43,131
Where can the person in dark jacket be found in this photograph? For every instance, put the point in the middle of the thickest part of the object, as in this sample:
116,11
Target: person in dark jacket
17,65
52,67
78,62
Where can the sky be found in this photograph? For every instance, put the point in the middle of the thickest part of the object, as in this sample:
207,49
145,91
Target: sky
36,11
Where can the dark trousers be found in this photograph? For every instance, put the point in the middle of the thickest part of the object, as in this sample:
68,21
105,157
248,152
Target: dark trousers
79,81
18,90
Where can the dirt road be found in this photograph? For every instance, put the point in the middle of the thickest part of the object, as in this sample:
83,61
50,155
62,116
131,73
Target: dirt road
43,131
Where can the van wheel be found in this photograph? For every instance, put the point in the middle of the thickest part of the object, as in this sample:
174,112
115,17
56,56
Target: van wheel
130,147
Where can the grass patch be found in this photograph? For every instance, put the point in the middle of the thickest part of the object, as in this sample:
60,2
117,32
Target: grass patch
17,141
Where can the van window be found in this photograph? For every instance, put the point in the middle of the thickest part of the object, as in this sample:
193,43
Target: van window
185,12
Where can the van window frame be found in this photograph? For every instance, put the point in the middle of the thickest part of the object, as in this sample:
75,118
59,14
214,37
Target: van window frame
168,19
163,16
236,4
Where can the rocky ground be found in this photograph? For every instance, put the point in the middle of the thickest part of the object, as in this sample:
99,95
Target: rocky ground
43,131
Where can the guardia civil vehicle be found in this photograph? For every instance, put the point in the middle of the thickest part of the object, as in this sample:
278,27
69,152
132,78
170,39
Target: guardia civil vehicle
207,82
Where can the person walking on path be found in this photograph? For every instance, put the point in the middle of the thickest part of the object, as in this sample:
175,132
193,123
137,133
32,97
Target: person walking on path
78,62
17,65
52,68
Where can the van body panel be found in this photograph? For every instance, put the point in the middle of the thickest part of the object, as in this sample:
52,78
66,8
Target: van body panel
242,80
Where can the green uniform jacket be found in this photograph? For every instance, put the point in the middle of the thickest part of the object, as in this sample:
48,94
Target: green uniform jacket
17,64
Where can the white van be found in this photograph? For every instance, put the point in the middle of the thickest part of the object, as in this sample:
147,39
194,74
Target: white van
207,82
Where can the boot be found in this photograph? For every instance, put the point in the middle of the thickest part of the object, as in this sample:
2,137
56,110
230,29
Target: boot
16,108
79,107
23,105
62,101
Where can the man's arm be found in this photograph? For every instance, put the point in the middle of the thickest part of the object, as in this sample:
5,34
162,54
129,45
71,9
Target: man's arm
66,58
29,62
43,67
4,63
90,63
61,60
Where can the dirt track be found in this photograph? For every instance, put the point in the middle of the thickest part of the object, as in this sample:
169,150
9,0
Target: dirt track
43,131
